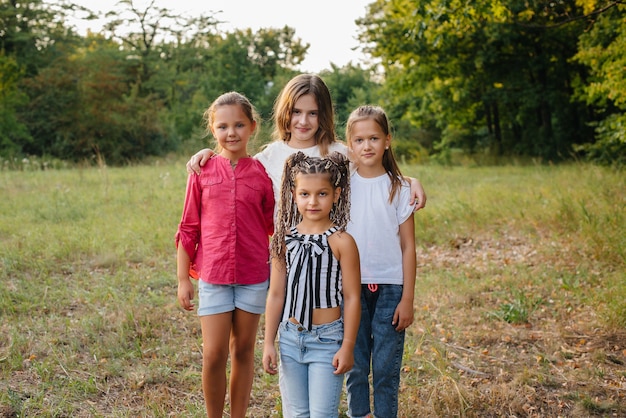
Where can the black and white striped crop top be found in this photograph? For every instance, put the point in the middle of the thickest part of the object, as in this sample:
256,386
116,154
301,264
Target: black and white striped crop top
313,276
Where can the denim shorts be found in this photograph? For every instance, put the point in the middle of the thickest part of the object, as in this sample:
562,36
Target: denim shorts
219,298
308,386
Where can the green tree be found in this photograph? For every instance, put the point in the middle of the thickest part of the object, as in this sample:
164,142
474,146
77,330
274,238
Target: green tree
34,32
482,75
138,88
350,87
603,50
13,132
32,35
209,64
86,105
187,62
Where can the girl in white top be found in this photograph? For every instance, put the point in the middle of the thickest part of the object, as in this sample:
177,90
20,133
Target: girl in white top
381,222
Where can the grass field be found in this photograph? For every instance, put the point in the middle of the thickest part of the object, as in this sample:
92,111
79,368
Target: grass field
520,296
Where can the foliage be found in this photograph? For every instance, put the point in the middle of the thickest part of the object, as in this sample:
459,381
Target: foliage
603,50
88,105
491,76
13,133
350,87
34,32
137,89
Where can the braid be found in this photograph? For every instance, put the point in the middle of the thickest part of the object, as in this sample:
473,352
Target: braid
338,168
340,177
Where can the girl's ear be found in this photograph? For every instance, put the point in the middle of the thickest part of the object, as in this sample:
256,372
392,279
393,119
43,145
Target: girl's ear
388,141
337,194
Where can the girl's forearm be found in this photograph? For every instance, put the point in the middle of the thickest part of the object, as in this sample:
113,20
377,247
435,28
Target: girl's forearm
275,301
183,262
351,320
409,267
409,259
272,318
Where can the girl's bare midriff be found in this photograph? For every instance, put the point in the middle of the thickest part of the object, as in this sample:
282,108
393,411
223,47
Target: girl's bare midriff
322,316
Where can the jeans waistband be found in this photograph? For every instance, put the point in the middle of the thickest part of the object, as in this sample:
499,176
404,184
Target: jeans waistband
315,329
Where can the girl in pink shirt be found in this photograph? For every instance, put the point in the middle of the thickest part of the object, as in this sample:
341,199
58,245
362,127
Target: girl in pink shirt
223,239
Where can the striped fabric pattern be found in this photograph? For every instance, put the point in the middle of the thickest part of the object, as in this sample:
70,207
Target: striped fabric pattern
313,278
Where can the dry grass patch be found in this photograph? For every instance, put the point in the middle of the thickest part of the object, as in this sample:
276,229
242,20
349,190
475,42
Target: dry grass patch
501,337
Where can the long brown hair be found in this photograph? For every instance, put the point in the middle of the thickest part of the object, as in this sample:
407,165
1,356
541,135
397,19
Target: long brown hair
378,115
337,166
295,88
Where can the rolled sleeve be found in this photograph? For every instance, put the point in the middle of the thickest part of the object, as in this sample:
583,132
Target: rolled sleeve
188,233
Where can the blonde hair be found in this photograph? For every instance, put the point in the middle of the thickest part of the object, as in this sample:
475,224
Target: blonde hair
229,99
295,88
378,115
337,166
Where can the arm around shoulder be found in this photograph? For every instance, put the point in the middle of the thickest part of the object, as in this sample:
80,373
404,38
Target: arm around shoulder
198,160
418,195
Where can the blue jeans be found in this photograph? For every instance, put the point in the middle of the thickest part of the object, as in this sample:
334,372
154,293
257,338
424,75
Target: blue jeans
308,386
378,344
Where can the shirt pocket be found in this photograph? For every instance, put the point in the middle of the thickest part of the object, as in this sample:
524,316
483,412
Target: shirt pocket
250,191
213,187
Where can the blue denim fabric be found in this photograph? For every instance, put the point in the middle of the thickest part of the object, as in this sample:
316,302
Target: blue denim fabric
378,344
219,298
308,386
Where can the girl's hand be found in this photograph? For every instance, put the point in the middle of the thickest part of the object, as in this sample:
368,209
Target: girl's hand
269,359
403,316
418,196
343,361
198,160
185,294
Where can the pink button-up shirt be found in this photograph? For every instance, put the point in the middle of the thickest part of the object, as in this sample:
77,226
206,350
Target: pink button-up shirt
227,220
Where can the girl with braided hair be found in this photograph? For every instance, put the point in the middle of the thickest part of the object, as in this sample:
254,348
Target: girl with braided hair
315,271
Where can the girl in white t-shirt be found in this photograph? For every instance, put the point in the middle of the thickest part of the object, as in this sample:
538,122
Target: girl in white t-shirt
381,222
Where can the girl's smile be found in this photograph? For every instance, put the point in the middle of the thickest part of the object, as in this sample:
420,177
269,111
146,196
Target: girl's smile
368,144
232,129
304,122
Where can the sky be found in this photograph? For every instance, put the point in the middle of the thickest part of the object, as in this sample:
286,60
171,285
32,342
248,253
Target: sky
327,25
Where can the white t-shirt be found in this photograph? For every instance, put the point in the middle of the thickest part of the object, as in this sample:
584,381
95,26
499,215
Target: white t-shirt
375,226
274,155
